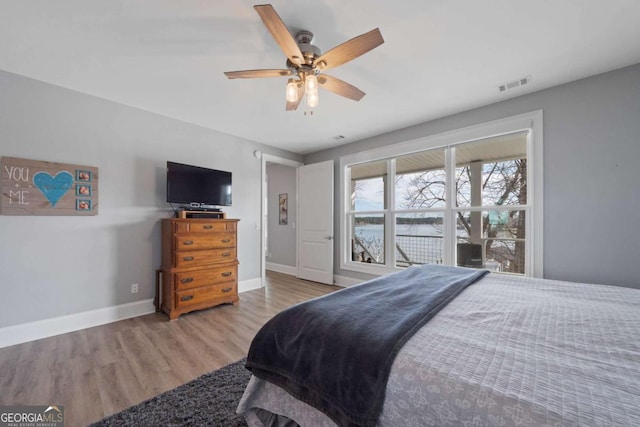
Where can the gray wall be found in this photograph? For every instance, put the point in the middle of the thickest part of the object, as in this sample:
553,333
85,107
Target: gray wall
53,266
591,173
281,238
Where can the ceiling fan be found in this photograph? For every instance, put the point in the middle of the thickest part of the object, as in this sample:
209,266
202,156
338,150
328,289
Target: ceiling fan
306,64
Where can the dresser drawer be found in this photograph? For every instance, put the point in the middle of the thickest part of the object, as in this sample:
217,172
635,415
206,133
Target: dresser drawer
203,227
187,242
209,276
204,294
186,259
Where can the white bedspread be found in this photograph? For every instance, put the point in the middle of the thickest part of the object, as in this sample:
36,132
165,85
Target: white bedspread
508,351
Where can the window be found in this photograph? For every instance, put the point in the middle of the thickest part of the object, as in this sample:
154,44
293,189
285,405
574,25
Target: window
420,201
467,203
367,213
492,174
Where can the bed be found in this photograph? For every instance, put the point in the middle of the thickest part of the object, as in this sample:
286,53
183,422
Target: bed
505,351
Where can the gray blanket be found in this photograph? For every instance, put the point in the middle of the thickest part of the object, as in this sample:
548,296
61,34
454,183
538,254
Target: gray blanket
335,352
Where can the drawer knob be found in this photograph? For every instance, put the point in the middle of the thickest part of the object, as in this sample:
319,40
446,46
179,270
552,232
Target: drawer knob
226,254
207,227
226,240
186,280
186,298
188,258
188,242
226,289
227,273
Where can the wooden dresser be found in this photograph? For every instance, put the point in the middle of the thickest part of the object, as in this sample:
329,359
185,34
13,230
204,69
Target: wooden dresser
199,264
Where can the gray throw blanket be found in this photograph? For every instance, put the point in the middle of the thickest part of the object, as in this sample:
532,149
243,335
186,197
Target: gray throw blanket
335,352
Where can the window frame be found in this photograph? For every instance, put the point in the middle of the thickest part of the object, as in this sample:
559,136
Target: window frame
531,122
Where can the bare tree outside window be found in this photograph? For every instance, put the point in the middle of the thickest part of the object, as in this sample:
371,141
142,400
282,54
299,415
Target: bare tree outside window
504,183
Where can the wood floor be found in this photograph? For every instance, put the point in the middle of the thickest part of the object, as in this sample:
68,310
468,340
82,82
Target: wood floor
99,371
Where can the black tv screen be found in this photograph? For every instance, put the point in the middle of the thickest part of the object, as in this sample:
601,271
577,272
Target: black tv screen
198,185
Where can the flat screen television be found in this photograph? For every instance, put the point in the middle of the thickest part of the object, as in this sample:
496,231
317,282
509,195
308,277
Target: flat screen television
198,186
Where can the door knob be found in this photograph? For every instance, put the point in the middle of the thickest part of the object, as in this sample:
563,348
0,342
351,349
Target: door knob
328,237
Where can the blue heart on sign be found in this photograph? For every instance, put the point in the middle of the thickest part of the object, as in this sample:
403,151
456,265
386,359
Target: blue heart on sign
53,188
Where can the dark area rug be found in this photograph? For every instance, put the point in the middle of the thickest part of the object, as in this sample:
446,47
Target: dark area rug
210,400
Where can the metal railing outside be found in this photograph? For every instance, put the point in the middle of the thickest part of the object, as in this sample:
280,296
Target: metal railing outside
415,249
412,249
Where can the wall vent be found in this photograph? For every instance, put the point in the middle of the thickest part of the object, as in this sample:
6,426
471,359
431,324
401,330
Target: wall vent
514,84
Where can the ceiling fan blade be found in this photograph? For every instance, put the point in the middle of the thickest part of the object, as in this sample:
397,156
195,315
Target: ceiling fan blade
340,87
256,74
292,106
280,33
349,50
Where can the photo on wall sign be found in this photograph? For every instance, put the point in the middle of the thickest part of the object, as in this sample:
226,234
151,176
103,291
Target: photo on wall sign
283,209
83,190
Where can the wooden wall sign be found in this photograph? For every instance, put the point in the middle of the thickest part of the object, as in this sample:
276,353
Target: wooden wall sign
32,187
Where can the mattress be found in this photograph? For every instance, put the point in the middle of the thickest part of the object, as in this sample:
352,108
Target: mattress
507,351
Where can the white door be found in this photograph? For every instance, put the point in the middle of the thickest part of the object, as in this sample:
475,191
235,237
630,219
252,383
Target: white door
315,222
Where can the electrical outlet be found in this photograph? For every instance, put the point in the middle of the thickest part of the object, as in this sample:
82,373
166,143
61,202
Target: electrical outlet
134,288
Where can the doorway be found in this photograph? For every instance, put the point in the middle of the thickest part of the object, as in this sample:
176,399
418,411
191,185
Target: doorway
281,219
279,256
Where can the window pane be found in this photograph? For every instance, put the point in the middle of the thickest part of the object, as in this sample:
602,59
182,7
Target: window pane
420,180
505,183
419,239
367,241
368,186
492,172
492,239
463,186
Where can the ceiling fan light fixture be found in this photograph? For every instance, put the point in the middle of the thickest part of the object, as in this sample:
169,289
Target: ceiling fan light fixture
312,99
305,62
292,91
311,83
311,89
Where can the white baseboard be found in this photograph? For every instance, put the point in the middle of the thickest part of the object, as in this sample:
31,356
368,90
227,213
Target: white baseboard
25,332
31,331
249,285
345,281
281,268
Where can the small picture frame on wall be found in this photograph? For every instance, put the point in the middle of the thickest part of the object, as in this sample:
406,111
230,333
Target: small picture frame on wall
83,205
283,209
83,190
83,175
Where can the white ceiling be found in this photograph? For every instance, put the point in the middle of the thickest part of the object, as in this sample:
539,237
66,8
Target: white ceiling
439,57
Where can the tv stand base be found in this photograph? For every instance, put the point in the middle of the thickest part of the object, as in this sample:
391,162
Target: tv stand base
206,214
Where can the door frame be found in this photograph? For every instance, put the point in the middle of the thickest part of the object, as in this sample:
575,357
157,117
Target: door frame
270,158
